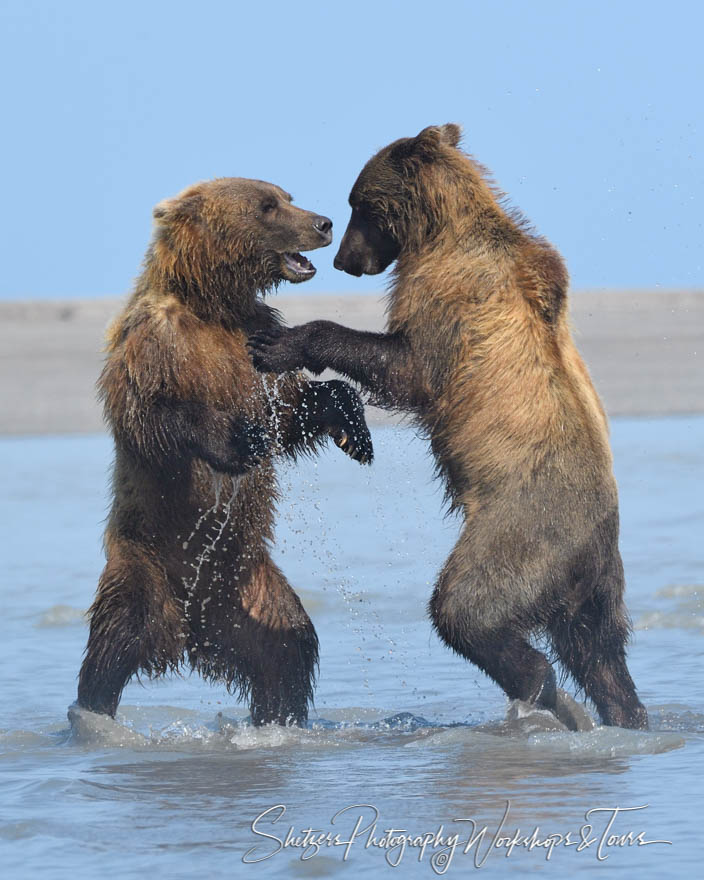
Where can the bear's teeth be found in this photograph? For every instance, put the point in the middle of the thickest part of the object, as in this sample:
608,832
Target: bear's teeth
298,262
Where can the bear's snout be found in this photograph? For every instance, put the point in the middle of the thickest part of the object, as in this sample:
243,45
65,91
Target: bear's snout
345,265
323,226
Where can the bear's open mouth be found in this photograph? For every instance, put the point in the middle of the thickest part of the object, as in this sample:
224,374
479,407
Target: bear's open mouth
300,266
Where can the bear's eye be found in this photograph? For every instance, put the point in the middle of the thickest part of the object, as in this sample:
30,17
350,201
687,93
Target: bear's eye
268,207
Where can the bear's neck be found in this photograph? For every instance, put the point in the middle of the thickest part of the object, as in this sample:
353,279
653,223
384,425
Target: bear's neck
221,294
463,215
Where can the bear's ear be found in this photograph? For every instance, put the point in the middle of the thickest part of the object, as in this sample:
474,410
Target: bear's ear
451,133
179,208
429,143
434,135
162,210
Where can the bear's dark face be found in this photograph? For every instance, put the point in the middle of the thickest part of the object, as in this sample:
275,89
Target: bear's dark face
368,246
386,200
243,223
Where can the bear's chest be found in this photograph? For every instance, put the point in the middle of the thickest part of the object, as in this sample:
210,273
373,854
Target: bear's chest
220,369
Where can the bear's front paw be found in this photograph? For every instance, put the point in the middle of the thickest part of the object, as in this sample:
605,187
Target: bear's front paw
276,350
348,427
357,443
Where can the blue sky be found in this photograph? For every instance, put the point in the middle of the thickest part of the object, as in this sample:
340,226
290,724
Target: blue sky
588,115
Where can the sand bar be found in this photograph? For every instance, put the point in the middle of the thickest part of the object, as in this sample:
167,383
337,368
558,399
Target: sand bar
645,350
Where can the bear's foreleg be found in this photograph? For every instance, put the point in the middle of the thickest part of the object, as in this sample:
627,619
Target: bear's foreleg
170,430
314,410
135,626
382,363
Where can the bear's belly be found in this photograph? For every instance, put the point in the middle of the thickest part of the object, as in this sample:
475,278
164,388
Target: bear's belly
222,530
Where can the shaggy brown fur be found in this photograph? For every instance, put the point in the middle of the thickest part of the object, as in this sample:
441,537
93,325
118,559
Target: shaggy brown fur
188,568
479,349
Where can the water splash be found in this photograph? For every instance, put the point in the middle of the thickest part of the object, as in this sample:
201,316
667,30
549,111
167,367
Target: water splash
211,539
272,391
186,732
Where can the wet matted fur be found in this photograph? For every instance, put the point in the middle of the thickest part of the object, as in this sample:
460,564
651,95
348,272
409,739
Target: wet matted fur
188,570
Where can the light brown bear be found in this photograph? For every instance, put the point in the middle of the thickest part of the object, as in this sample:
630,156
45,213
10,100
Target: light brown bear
478,349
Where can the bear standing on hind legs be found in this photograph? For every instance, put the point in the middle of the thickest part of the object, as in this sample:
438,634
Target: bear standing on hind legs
195,426
478,348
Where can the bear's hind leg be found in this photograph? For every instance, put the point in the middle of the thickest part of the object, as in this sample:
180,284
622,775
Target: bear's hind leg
267,649
286,657
475,612
506,656
135,625
592,647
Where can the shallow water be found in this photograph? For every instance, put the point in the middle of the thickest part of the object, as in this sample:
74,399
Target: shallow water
400,724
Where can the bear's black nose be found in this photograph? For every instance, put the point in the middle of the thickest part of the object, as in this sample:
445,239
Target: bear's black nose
323,225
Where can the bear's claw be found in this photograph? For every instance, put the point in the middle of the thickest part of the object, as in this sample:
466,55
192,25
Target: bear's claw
268,353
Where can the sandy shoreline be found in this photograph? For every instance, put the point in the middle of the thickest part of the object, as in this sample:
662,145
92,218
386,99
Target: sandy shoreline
645,350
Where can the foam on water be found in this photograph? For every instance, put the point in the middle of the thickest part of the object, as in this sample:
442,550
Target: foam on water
607,741
17,740
61,615
523,728
676,717
602,742
89,728
684,609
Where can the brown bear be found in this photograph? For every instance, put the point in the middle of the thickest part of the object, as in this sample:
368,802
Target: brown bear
195,426
479,350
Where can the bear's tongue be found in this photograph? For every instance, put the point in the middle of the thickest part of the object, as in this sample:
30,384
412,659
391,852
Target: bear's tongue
299,264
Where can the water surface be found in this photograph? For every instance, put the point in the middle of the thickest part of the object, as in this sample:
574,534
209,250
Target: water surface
400,724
